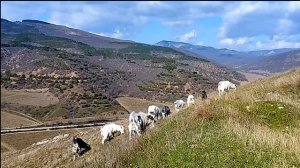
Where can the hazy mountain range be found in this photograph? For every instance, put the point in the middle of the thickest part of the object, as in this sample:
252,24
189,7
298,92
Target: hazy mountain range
249,60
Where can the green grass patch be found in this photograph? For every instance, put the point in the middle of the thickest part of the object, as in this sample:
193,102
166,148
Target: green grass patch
181,142
276,115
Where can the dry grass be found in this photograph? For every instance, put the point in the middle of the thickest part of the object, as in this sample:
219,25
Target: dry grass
59,154
46,155
5,147
11,119
288,142
284,87
280,88
20,141
201,113
28,97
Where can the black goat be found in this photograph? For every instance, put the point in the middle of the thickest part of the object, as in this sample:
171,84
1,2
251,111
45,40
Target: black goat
165,111
79,147
203,95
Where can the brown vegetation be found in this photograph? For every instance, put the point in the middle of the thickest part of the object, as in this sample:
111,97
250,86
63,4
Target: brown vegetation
28,97
10,119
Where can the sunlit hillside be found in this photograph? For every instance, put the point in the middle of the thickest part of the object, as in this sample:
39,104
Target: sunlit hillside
255,126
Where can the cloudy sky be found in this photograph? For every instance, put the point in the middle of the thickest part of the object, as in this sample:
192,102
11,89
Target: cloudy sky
234,25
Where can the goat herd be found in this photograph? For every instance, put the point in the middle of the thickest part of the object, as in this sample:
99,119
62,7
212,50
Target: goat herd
138,121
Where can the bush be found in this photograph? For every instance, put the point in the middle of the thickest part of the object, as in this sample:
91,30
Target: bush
170,66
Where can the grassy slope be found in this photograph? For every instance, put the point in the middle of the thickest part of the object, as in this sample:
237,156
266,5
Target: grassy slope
219,132
223,133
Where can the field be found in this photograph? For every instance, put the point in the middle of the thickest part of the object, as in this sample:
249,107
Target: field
250,77
255,126
38,97
18,141
12,119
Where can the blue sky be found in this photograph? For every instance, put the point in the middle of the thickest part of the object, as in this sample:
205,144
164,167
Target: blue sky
233,25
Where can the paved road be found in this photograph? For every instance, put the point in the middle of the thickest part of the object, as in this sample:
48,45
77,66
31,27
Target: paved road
15,130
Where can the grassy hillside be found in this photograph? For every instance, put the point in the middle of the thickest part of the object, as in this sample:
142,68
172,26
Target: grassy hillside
257,126
223,133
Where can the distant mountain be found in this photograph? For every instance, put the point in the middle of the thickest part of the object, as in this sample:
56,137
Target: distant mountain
231,58
65,32
221,56
276,62
264,53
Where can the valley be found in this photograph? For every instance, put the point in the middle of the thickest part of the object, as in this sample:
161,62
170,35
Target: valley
229,126
261,61
83,79
150,84
58,82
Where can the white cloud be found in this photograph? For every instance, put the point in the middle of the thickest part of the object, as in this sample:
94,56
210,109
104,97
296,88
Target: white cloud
241,41
242,23
260,43
294,5
116,34
229,42
200,43
177,23
188,36
285,25
276,44
100,34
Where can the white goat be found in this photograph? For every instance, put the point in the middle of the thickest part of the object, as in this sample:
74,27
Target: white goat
179,104
225,85
190,100
108,131
154,111
138,122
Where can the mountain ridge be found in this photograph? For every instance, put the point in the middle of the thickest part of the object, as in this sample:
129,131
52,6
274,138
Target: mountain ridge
240,60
